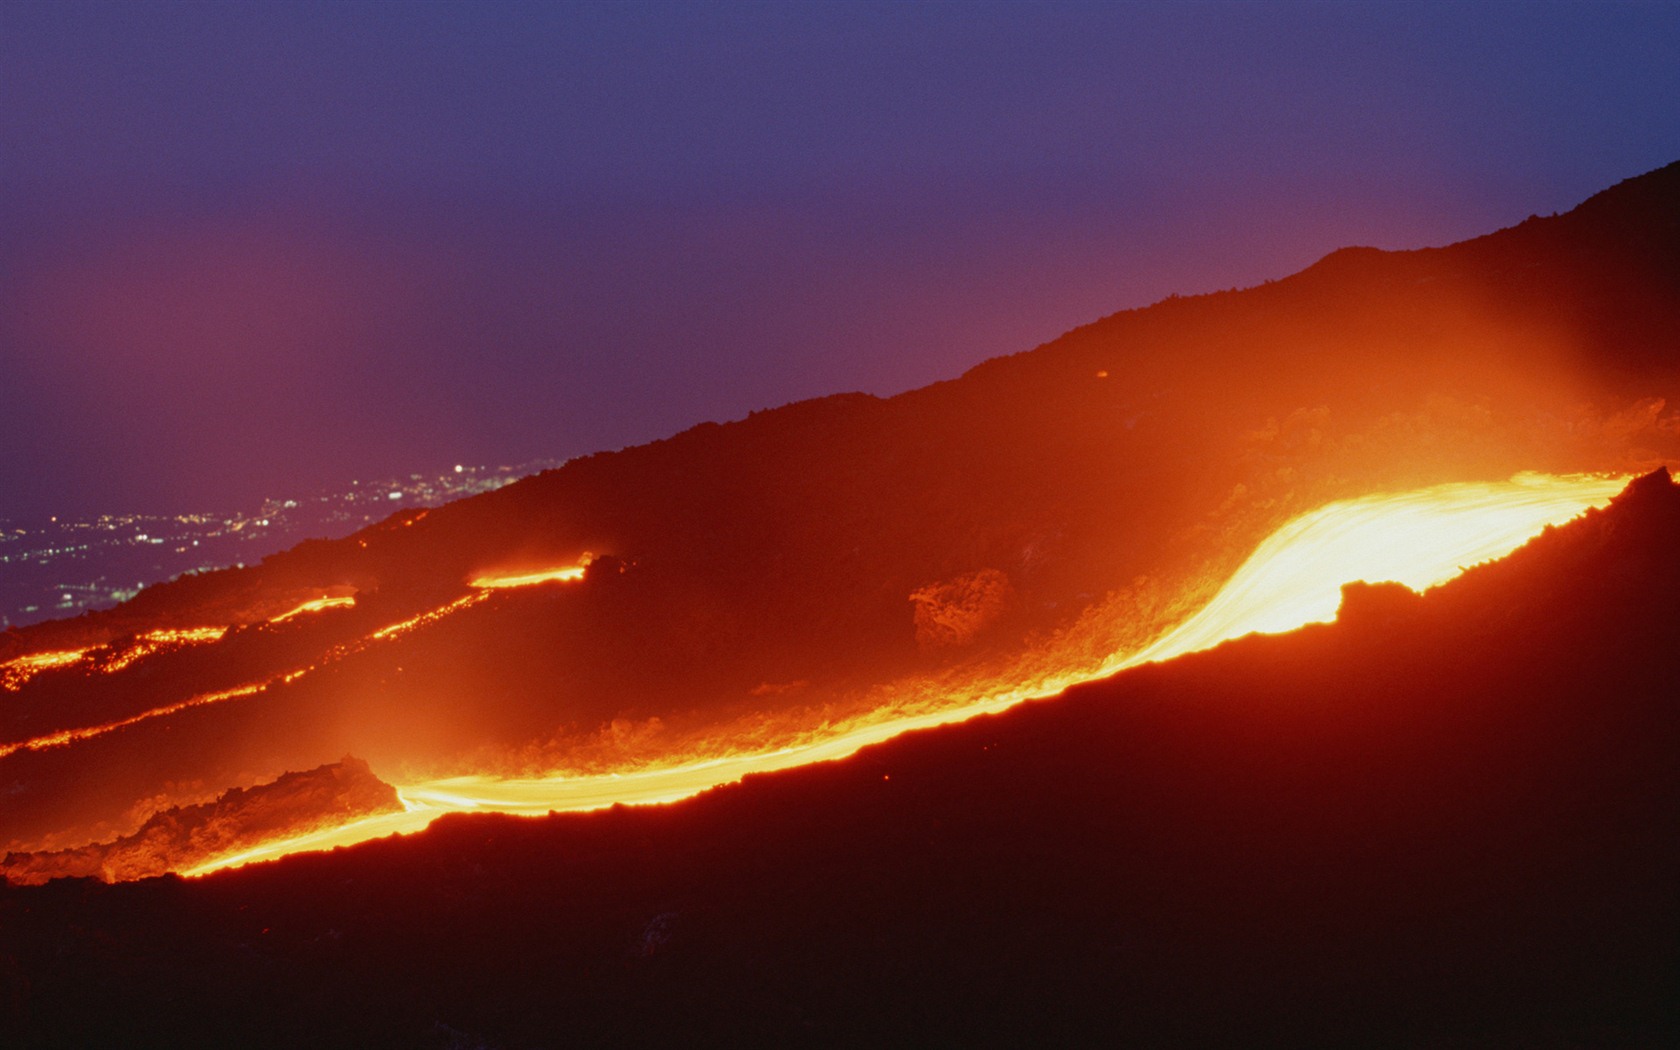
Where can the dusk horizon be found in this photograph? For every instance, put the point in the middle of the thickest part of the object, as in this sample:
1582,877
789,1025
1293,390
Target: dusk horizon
345,243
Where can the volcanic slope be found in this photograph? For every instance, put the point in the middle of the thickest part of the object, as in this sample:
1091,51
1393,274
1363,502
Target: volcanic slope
1444,819
802,565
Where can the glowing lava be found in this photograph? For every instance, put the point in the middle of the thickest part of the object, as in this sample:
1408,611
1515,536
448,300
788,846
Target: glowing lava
109,659
18,670
424,619
65,737
316,605
1420,538
565,574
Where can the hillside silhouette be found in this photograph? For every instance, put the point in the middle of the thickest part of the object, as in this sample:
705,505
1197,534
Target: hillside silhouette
1442,820
799,564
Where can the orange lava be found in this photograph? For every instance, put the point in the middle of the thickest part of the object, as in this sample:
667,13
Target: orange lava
154,640
427,617
18,670
1420,538
315,605
65,737
497,581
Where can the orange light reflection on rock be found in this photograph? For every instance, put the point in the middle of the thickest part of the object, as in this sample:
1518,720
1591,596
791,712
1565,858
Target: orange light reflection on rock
1419,538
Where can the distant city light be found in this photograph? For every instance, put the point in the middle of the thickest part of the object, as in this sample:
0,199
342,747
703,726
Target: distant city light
68,566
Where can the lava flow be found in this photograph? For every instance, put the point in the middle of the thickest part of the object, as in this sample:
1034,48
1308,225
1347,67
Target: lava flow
1419,538
16,672
494,581
316,605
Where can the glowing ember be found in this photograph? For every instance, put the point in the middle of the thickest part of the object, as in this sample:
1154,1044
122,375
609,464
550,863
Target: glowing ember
1419,538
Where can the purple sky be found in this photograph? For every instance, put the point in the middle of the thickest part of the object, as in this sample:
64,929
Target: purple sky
254,249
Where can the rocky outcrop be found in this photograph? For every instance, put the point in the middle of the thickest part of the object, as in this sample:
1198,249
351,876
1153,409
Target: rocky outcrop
182,837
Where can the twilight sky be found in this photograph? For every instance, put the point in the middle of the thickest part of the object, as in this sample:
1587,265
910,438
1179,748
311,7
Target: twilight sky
254,250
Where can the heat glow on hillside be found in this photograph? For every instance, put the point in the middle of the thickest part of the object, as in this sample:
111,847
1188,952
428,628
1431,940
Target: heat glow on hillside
1420,538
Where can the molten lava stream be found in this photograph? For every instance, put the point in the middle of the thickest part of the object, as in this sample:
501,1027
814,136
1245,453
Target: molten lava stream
18,670
316,605
495,581
1419,538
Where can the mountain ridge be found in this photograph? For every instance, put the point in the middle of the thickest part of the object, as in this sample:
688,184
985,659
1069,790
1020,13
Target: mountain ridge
1627,213
1110,479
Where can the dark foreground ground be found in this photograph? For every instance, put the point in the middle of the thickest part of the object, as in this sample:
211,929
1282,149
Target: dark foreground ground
1444,821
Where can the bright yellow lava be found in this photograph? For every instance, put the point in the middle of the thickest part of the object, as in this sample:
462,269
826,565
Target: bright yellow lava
526,579
16,672
1420,538
315,605
424,619
20,669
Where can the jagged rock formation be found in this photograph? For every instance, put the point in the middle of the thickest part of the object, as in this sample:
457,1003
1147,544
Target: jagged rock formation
182,837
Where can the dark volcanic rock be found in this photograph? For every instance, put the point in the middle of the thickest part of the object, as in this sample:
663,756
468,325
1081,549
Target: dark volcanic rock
181,837
1455,831
1376,604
